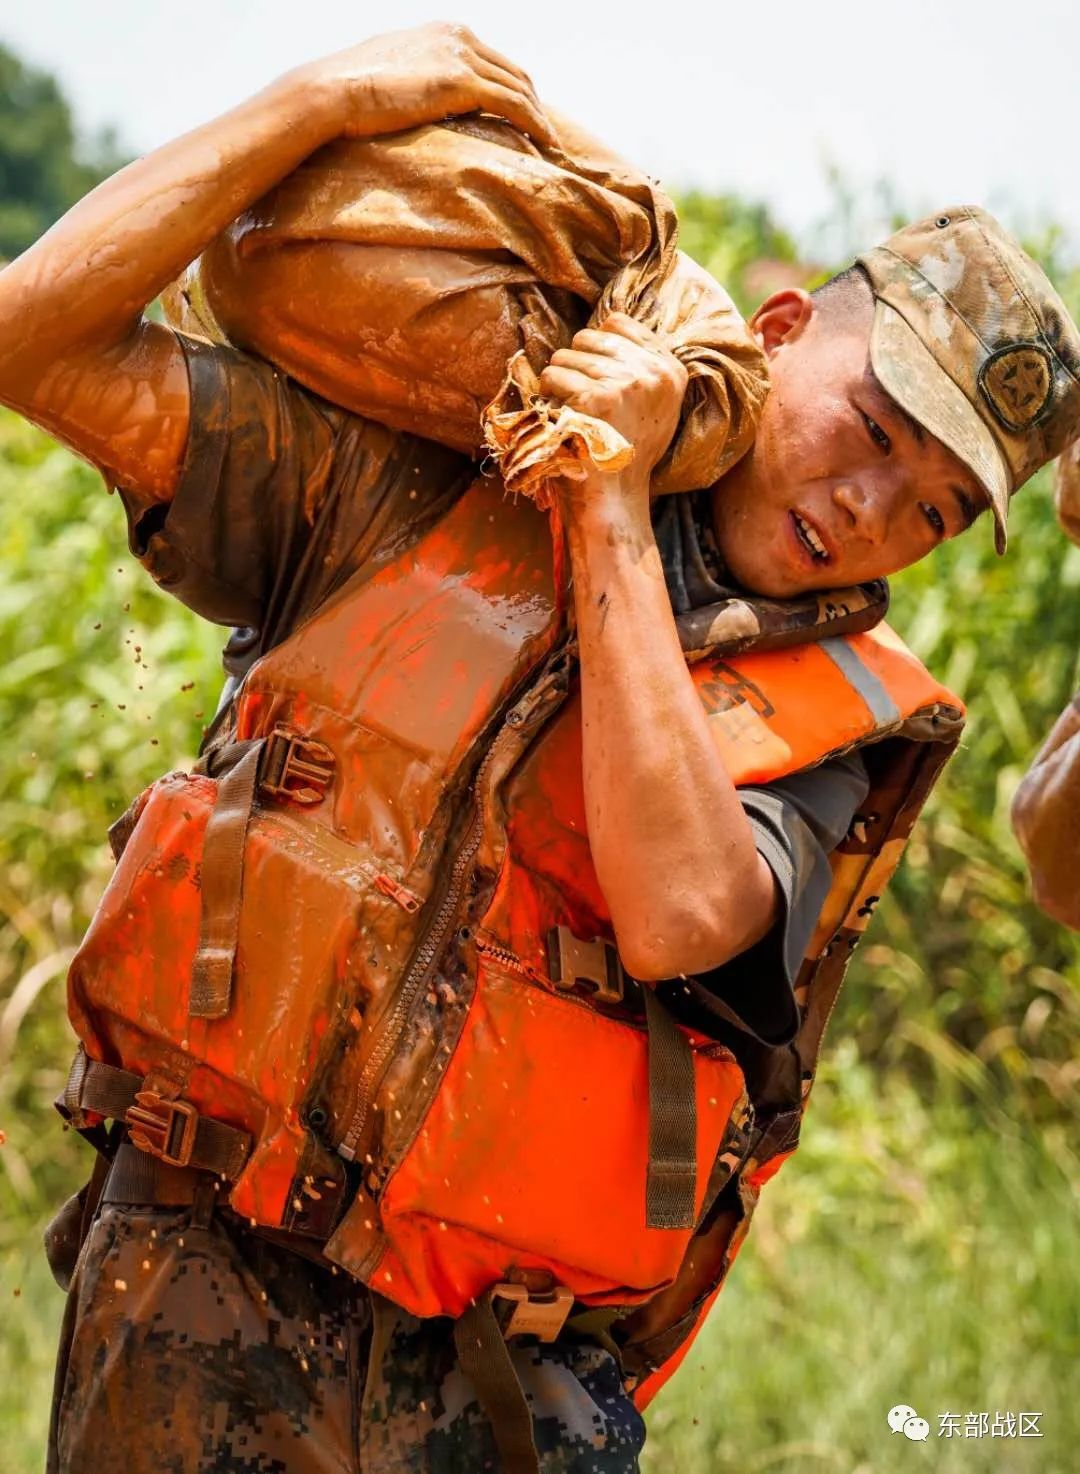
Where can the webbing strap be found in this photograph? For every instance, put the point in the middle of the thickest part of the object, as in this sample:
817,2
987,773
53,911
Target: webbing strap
138,1179
111,1092
671,1185
485,1359
222,885
106,1090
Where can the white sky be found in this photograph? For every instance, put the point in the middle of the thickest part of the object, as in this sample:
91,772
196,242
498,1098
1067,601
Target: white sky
951,101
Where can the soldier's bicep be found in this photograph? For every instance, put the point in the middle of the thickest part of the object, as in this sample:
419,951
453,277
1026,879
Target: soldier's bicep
126,410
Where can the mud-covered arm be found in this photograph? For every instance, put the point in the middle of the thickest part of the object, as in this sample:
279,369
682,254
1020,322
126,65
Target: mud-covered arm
674,851
1046,817
76,355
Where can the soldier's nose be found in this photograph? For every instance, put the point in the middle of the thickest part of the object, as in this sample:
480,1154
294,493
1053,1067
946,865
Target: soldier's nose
866,510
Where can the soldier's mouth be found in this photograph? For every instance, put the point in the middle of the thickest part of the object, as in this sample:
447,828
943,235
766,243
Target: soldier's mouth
810,538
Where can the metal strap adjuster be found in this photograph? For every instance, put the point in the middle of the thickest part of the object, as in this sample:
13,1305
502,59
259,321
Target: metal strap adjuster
523,1312
164,1128
296,767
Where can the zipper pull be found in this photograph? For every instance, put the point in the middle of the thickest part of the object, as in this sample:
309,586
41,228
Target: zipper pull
405,898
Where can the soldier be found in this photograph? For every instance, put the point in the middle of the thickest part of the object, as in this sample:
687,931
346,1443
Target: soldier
1046,810
500,1253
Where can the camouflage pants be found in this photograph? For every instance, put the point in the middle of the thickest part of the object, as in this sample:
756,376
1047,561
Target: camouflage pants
192,1346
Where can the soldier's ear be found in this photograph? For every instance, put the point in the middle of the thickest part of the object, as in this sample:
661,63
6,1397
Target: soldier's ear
782,318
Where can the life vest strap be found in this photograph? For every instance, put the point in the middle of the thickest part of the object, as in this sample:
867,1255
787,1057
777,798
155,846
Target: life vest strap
171,1130
222,884
286,765
138,1180
485,1359
671,1183
480,1339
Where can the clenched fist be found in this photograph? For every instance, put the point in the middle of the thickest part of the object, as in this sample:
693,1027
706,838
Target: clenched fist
406,78
622,374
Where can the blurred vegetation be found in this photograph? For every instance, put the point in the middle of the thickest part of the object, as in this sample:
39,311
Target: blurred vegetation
918,1249
915,1250
44,164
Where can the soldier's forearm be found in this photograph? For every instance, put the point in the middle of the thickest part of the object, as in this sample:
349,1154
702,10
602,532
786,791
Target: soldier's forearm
84,285
1046,817
673,849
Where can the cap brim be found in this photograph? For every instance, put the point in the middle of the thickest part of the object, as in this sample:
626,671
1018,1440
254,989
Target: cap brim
910,374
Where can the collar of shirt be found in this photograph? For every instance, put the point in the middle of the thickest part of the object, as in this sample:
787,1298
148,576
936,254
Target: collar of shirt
693,567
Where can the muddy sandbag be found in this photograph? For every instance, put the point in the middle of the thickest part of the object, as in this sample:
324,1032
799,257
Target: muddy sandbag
424,279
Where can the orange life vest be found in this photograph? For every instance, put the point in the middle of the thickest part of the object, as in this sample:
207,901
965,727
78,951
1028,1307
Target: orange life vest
360,963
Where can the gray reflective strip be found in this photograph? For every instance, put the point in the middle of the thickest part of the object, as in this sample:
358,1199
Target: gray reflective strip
883,708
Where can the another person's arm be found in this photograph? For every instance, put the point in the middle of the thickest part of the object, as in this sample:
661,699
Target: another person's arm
674,851
1046,817
1067,491
76,355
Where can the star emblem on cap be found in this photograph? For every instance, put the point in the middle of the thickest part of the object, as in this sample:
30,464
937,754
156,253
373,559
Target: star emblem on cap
1017,382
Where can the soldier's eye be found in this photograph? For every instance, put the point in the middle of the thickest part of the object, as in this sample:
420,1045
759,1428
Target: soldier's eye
934,517
876,433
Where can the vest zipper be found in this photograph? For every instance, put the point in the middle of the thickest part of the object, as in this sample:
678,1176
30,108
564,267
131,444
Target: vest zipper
406,899
505,958
351,863
423,964
544,696
513,963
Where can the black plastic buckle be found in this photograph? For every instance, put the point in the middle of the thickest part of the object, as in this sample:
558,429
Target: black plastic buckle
296,767
164,1128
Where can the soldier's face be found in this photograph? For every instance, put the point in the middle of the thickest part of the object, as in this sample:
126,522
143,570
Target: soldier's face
840,485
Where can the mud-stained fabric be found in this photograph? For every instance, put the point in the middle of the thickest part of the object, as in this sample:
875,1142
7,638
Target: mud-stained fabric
366,270
420,1415
195,1349
284,497
693,567
281,497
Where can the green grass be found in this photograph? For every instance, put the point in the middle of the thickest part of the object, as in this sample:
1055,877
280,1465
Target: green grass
909,1253
30,1310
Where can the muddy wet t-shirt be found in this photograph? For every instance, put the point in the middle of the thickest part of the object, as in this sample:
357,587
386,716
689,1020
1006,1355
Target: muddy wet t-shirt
283,496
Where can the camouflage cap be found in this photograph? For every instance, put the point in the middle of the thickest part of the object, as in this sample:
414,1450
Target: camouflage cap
972,340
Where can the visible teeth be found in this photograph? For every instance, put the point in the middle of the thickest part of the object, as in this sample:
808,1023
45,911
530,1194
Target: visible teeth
810,537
